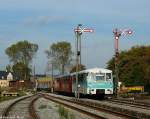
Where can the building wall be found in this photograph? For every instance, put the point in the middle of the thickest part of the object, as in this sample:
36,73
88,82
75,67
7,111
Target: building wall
4,83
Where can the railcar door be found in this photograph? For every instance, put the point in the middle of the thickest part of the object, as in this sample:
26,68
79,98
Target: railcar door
70,84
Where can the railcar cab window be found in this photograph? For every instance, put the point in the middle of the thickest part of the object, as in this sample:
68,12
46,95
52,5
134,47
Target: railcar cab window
108,76
81,76
90,77
100,78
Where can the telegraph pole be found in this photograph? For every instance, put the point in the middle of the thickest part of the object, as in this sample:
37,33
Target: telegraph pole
78,32
117,33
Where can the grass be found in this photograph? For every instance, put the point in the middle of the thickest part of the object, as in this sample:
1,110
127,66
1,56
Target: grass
4,98
21,93
42,106
64,113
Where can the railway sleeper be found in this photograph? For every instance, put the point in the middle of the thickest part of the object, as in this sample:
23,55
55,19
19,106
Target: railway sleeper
130,113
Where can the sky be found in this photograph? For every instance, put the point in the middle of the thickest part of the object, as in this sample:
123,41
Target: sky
45,22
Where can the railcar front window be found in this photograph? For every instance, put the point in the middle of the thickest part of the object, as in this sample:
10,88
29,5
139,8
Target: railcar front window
99,78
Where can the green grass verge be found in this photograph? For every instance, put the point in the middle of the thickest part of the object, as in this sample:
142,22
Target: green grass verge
4,98
64,113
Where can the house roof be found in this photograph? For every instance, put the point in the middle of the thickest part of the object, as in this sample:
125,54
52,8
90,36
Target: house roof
3,74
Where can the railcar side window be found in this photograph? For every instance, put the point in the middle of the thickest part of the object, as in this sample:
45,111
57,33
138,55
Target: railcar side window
108,76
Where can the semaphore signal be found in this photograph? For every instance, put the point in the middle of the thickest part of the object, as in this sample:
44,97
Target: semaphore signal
117,33
78,32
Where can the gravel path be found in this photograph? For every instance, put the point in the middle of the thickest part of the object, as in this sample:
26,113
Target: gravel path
47,109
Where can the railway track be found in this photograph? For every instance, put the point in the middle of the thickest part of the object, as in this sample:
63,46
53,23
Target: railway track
93,111
132,103
118,108
21,109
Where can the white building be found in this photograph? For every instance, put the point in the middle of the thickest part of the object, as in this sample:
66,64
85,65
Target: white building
9,76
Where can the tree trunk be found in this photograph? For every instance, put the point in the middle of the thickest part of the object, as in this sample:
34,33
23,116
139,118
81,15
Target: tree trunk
63,68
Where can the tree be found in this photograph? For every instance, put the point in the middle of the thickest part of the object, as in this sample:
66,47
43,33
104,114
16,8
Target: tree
9,68
22,54
23,51
60,54
21,70
81,67
134,66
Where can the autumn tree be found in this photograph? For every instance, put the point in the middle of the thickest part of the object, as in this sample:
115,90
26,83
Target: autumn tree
134,66
21,55
60,54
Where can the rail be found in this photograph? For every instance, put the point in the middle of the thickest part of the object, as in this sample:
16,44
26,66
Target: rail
89,105
8,108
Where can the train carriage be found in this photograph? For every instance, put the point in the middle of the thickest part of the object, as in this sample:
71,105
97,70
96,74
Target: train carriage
63,84
96,81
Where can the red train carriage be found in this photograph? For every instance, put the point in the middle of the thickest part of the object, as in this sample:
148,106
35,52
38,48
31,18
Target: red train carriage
63,85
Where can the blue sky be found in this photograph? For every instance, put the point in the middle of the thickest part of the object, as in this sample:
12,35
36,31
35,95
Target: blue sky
48,21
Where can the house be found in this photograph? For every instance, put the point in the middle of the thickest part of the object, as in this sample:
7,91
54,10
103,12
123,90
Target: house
3,75
4,83
6,75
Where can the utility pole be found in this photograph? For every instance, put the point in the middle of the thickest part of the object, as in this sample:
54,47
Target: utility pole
78,32
117,33
34,71
52,83
34,78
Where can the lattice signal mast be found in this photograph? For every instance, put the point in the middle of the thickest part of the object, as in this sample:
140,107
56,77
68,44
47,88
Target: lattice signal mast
117,33
78,32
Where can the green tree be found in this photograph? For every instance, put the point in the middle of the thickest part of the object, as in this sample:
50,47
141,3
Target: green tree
134,66
22,54
80,67
21,70
8,68
60,54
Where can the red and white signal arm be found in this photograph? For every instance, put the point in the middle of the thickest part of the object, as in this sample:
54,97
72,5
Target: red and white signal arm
129,31
88,30
84,30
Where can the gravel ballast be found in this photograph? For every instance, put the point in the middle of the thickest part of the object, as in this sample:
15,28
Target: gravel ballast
47,109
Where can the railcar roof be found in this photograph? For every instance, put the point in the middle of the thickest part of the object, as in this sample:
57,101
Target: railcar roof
96,70
92,70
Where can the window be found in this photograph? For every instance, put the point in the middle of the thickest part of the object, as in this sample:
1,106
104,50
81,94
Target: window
99,77
108,76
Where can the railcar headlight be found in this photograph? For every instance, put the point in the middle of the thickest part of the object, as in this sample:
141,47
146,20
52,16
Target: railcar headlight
109,90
